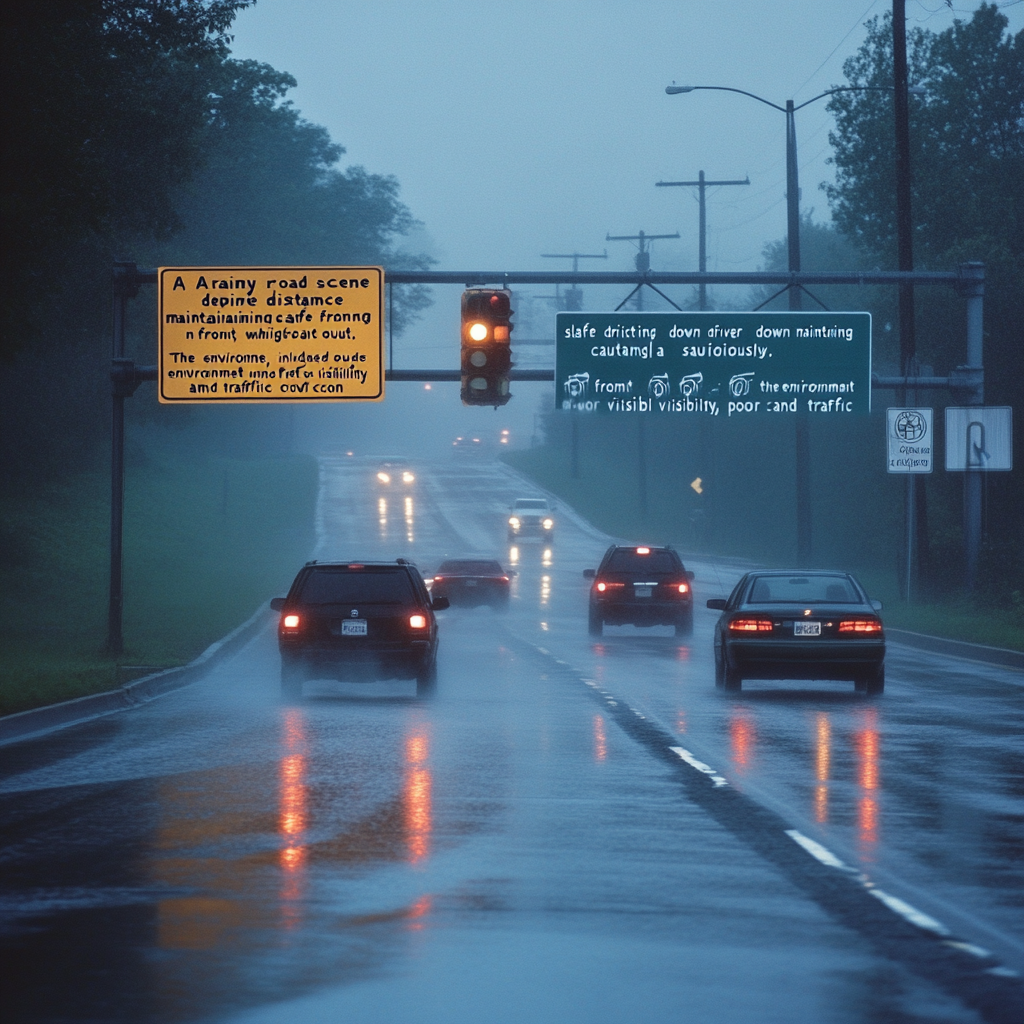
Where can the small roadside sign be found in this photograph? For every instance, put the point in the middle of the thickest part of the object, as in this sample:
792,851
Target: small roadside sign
979,438
910,440
271,334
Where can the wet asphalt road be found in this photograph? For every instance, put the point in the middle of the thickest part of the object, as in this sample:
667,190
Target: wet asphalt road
569,830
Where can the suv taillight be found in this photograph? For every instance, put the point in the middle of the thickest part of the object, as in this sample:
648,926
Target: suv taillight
418,621
291,622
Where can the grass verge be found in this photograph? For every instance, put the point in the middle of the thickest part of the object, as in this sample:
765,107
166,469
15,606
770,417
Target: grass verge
204,545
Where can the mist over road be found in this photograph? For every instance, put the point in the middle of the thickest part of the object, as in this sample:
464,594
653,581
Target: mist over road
570,829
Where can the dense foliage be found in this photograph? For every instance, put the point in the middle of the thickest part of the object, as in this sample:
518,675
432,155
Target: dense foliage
967,158
132,133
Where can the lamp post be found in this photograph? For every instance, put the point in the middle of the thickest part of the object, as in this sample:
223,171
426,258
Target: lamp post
803,454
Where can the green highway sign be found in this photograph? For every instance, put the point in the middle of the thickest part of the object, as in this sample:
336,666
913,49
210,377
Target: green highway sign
724,365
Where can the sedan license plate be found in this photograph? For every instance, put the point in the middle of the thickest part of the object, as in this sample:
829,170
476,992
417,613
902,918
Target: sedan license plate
806,629
642,591
353,627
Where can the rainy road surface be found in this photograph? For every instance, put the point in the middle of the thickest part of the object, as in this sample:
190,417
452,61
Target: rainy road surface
569,830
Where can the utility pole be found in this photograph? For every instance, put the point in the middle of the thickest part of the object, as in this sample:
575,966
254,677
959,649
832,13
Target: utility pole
702,261
573,303
643,265
905,261
574,294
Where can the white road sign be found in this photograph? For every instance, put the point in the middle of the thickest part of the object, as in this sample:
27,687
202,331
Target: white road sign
911,440
979,438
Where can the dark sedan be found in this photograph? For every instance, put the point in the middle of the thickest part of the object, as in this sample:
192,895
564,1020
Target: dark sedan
472,581
799,625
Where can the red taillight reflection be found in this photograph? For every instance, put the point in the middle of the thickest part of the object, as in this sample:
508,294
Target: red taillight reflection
860,626
290,622
751,625
418,621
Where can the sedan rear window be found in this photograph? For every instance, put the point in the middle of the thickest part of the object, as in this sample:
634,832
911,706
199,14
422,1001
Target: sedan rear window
467,567
627,560
803,590
340,586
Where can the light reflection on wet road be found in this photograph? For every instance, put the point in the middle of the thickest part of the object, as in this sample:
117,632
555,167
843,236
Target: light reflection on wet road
503,851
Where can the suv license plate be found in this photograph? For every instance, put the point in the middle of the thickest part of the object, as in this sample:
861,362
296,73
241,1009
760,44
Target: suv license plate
355,627
642,591
806,629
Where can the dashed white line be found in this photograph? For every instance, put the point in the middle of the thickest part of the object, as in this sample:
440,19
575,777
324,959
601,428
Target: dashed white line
909,913
816,850
699,765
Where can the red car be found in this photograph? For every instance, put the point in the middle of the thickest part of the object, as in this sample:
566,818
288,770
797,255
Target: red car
472,581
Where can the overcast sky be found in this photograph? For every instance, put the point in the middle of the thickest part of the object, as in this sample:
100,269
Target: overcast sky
529,127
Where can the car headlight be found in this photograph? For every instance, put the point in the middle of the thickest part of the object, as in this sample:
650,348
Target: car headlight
514,523
384,478
407,477
548,523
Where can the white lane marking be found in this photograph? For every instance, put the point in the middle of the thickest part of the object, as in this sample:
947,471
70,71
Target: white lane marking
816,850
968,947
700,766
1002,972
909,913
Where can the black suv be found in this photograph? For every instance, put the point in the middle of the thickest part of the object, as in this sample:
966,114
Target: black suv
357,620
640,586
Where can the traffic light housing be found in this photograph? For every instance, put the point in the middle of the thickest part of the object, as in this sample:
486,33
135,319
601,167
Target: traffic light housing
486,352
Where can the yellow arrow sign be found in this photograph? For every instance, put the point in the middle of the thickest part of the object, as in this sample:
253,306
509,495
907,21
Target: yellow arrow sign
696,486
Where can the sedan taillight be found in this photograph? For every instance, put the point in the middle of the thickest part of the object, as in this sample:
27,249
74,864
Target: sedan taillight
860,626
750,626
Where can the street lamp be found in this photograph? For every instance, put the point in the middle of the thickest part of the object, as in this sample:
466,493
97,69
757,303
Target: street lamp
803,478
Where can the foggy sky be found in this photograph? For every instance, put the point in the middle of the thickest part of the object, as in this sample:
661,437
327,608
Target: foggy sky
521,128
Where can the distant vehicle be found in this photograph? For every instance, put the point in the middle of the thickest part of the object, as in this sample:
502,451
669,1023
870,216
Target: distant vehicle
357,620
468,446
531,517
799,625
395,471
640,586
472,581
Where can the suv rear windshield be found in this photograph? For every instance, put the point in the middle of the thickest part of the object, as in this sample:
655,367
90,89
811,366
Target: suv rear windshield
803,590
470,568
627,560
532,505
372,586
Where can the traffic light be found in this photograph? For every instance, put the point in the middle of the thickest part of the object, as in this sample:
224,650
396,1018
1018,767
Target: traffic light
486,355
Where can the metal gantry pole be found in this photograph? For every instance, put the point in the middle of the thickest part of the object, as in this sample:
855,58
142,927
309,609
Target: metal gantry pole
123,289
973,278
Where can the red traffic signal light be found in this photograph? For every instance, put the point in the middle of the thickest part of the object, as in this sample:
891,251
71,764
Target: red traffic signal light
486,355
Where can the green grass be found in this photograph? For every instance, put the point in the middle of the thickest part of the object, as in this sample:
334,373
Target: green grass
204,545
613,509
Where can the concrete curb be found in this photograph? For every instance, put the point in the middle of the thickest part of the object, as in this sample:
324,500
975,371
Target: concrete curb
957,648
29,724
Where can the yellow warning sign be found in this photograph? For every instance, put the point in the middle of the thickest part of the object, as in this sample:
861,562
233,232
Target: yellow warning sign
271,334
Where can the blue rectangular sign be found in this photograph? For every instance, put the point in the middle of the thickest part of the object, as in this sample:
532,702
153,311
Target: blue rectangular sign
724,365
